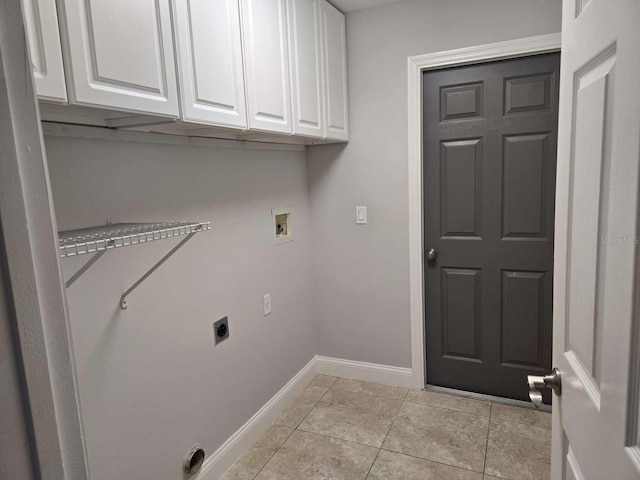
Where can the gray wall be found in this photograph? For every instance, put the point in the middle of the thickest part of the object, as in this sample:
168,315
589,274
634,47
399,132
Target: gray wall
361,273
151,382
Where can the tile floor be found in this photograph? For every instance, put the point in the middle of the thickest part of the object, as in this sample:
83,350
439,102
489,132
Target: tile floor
339,429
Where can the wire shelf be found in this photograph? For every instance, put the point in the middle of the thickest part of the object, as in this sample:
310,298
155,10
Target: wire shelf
92,240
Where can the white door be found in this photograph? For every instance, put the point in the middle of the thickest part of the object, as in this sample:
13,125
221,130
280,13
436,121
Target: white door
43,35
121,55
335,72
596,316
306,67
209,50
266,53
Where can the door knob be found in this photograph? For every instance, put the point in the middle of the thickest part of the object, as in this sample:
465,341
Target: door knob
548,381
432,254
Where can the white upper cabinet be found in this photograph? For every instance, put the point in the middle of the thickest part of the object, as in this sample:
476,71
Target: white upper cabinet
264,26
41,23
306,68
334,47
209,52
121,55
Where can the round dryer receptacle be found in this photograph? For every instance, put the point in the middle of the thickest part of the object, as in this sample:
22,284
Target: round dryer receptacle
193,460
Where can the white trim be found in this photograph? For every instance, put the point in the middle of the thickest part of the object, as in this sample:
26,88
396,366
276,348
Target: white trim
416,65
100,133
366,372
38,301
240,442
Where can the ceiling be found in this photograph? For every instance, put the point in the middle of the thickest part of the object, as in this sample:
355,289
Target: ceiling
347,6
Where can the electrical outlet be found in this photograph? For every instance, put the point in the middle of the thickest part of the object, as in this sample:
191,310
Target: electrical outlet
267,304
221,330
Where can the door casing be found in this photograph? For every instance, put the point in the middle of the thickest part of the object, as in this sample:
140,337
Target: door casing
416,65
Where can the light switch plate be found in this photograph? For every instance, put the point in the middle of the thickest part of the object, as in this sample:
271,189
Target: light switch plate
267,304
361,215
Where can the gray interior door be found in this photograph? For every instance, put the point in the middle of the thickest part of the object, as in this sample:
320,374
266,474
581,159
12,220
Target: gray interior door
490,137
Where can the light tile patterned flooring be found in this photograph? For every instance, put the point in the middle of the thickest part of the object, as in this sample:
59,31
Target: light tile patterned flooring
339,429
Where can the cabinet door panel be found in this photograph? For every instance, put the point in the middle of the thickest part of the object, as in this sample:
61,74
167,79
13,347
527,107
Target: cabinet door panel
43,35
306,67
210,62
264,25
121,54
335,71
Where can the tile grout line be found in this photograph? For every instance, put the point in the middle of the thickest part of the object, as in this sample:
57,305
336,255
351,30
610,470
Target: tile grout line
436,461
293,430
297,427
486,445
404,399
373,463
430,405
387,434
274,453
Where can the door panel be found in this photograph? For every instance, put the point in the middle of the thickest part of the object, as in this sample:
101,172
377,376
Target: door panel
461,171
209,50
461,322
264,27
523,319
41,25
334,49
306,67
121,55
595,295
489,166
524,189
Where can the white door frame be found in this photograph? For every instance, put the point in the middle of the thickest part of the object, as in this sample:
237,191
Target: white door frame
30,248
416,66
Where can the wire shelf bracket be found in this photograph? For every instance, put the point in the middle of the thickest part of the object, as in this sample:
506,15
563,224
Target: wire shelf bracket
100,239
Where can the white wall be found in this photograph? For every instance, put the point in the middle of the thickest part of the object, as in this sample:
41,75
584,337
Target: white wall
151,382
361,273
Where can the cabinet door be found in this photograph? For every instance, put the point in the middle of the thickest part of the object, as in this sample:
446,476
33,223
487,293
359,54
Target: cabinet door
41,24
210,69
121,54
335,72
306,67
264,24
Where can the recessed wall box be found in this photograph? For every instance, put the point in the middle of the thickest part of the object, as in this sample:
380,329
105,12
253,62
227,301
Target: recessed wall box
282,224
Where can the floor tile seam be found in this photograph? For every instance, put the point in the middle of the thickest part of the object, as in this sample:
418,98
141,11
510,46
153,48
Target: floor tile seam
497,476
311,409
329,387
394,418
274,453
432,461
333,387
486,444
511,422
448,409
372,464
338,438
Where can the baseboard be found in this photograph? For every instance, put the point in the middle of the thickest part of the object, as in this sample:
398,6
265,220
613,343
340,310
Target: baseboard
241,440
367,372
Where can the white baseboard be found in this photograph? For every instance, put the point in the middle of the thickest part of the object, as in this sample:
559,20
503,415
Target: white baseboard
241,441
367,372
